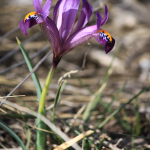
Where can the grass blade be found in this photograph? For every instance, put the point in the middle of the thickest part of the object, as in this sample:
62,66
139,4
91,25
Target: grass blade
55,103
101,142
30,67
123,106
40,136
28,137
137,119
3,125
109,109
96,97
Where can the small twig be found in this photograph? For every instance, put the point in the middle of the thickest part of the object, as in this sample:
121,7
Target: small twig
118,142
114,147
34,69
68,74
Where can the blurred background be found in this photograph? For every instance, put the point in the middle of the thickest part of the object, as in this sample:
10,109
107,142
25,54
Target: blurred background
129,25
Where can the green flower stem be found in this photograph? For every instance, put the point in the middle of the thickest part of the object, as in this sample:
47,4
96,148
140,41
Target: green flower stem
41,135
45,89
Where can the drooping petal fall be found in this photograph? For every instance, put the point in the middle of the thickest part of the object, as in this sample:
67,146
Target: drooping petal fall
30,20
104,38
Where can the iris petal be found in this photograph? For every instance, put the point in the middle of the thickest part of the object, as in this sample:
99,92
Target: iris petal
104,38
49,35
105,16
99,20
78,38
46,8
85,15
30,20
55,12
51,32
59,19
67,14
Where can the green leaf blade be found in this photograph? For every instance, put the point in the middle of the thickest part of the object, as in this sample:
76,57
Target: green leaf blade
3,125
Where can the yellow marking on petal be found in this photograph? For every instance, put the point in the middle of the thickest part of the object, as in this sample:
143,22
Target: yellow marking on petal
30,14
105,32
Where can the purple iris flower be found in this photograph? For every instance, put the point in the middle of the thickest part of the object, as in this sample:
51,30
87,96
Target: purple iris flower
61,31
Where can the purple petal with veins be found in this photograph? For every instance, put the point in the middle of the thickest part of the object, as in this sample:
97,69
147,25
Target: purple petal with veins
67,14
55,11
99,20
50,36
105,16
51,32
78,38
46,8
85,15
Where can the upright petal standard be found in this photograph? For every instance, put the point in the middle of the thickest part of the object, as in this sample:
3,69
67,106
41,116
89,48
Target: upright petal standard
61,32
